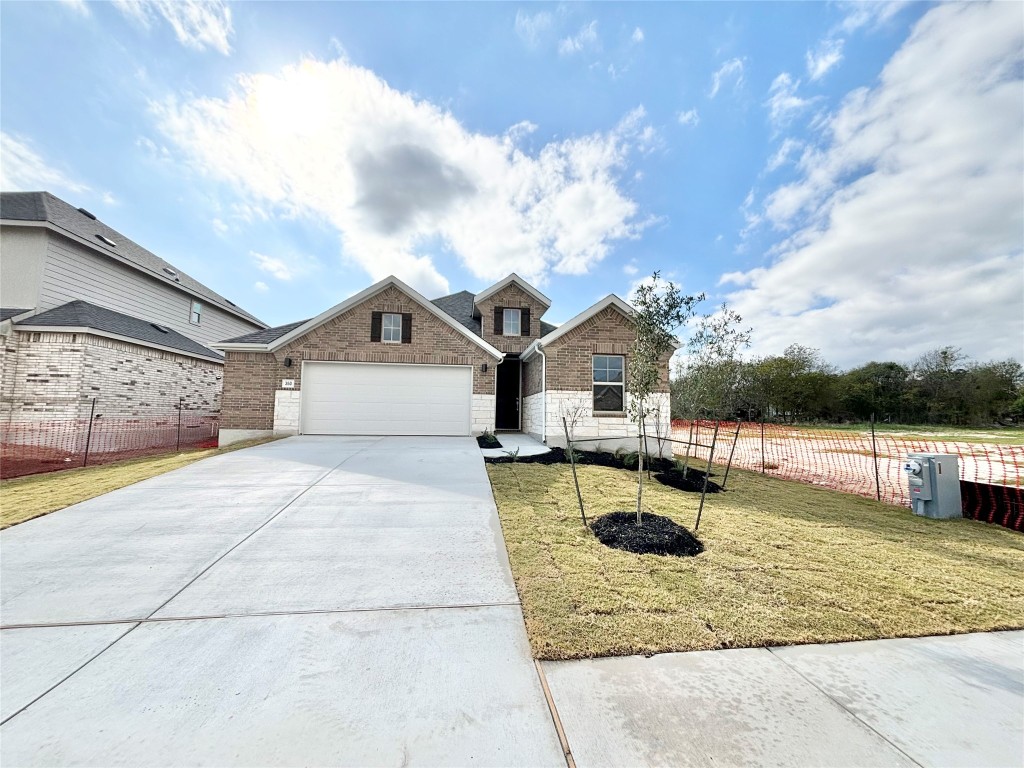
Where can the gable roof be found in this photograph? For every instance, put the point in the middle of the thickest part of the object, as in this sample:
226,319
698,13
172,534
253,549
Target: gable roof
47,209
611,300
460,307
265,336
83,317
296,330
519,282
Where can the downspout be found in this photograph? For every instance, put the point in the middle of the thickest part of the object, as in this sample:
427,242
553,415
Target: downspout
544,392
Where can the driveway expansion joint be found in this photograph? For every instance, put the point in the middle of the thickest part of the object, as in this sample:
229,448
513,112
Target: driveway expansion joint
260,614
843,707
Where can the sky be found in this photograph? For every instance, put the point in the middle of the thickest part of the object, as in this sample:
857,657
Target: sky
847,176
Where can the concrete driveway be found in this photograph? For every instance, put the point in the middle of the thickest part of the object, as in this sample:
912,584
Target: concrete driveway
317,600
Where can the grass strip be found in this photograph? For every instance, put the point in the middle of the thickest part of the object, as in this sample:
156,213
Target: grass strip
785,563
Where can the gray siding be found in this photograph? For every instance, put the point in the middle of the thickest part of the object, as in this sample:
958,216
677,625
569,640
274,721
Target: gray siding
74,272
22,252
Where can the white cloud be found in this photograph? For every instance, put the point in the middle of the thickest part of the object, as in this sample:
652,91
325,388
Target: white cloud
532,27
904,228
827,55
197,24
23,169
637,36
783,103
783,154
331,141
219,226
78,6
585,39
276,267
730,70
630,268
260,286
689,117
661,285
870,13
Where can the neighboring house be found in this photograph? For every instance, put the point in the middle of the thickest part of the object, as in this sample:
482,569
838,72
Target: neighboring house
86,313
389,362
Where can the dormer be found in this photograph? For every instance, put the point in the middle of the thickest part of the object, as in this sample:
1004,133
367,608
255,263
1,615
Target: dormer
510,312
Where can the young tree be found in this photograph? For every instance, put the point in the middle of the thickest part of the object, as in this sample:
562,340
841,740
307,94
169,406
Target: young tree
660,308
708,379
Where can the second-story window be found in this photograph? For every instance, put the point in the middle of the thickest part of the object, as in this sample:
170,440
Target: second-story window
196,313
391,328
512,322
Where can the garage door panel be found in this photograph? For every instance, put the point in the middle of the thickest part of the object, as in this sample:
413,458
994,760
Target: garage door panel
369,399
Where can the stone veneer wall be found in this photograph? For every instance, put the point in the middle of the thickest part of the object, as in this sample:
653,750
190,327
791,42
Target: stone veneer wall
533,415
616,431
47,376
252,380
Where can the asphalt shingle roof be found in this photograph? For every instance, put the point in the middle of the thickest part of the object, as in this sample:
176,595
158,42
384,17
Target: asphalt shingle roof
265,336
460,307
42,206
82,314
6,313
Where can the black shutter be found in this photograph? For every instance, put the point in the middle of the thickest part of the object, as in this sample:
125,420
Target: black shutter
375,322
407,328
499,321
524,321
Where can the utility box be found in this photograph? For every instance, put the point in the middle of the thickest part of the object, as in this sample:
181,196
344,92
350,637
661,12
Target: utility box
933,480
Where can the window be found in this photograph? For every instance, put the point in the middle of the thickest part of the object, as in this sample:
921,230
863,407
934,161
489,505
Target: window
391,328
196,314
510,322
609,383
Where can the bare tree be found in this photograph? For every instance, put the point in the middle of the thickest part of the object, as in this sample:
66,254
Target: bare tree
660,308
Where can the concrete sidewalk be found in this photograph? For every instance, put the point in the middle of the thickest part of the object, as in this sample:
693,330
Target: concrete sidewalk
933,701
313,601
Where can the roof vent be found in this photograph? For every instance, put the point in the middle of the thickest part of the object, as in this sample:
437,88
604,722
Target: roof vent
160,328
86,213
106,240
170,272
229,301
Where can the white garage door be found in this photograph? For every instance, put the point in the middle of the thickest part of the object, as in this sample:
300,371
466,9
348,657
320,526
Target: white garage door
369,399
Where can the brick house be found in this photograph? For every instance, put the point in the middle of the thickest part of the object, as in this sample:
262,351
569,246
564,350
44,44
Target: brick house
389,361
87,313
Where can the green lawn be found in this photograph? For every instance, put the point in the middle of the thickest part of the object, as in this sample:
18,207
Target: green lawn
785,563
24,498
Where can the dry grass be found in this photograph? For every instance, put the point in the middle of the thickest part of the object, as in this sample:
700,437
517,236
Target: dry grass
785,563
24,498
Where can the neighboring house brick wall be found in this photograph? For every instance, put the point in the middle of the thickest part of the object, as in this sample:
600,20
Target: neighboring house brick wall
252,378
58,375
511,296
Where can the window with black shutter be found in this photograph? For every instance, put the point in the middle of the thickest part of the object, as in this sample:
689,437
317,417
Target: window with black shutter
499,325
407,328
375,325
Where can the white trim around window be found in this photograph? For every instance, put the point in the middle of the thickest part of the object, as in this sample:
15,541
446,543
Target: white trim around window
511,322
195,314
609,383
391,328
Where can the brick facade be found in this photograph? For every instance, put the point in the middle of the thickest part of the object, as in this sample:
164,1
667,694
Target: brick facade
252,378
569,358
511,297
56,375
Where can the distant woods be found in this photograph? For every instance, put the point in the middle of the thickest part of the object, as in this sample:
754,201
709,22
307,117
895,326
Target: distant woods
943,386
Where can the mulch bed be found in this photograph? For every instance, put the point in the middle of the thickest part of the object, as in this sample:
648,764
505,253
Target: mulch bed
657,535
692,480
488,441
665,469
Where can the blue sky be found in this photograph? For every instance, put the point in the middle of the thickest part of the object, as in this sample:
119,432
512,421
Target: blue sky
847,176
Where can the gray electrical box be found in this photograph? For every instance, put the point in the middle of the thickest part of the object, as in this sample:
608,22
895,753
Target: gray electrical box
933,480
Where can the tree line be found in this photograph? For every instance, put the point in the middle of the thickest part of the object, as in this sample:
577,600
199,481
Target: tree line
942,387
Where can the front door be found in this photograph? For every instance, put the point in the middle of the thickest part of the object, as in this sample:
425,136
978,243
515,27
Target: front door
506,415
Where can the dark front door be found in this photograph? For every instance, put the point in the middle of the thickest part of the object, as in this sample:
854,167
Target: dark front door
507,412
